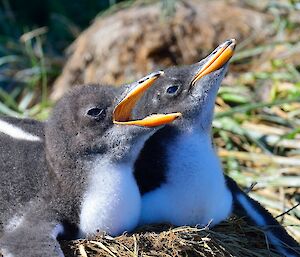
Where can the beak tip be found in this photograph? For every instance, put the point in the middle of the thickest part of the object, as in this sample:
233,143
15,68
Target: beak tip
233,43
156,74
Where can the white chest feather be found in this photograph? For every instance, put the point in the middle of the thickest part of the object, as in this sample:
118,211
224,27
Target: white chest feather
112,201
195,191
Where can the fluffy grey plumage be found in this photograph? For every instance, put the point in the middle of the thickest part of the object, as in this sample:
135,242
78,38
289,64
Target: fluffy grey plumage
22,168
50,173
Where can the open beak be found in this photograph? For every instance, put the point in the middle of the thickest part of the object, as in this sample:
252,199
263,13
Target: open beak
122,112
216,59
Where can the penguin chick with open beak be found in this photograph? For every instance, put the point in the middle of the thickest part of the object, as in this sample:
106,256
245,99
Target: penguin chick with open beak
89,181
178,171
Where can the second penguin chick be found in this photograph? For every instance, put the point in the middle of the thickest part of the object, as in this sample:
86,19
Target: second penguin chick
178,171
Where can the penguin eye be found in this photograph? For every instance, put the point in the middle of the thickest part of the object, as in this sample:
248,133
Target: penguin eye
96,113
172,89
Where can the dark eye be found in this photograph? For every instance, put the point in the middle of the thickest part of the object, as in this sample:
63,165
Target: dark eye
96,113
172,89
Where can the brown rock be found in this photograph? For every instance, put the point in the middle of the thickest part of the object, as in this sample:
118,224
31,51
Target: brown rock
127,44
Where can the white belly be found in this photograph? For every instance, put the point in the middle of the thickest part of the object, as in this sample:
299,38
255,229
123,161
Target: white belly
195,192
112,202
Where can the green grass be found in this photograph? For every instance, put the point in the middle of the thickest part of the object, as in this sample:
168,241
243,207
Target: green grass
32,50
256,128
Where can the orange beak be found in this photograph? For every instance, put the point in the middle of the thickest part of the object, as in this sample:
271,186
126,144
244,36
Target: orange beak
122,112
220,56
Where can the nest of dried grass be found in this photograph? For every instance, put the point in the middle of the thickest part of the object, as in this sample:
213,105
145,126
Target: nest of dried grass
230,238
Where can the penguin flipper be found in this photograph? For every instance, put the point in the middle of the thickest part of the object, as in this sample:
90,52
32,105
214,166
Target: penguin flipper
255,214
32,239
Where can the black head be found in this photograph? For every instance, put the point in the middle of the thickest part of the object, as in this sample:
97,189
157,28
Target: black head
190,90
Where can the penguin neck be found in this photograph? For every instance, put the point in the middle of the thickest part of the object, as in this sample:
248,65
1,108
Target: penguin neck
125,144
191,141
200,125
194,145
201,139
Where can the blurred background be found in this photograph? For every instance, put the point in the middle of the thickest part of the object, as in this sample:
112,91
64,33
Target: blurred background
46,47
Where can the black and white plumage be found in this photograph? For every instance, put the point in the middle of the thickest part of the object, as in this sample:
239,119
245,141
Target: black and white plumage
22,165
255,214
183,181
178,172
80,173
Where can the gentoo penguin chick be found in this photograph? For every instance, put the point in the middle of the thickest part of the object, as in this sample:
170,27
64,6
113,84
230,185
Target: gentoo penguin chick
178,172
89,181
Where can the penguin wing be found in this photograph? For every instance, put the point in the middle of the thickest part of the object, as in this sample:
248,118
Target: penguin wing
31,240
22,129
35,236
23,169
255,214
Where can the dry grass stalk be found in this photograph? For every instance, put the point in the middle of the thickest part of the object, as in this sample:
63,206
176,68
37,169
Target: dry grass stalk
233,238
